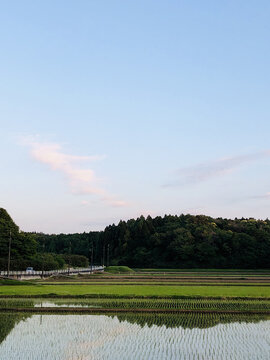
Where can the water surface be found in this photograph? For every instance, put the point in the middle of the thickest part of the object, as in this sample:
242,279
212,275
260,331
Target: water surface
100,337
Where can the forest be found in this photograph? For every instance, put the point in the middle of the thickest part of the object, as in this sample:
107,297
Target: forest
25,250
172,241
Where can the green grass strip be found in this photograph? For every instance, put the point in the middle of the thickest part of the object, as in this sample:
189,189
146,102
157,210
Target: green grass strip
130,290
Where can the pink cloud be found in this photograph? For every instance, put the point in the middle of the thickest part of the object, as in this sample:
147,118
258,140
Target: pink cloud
82,181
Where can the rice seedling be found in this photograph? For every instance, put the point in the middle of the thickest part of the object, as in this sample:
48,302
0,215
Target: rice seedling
169,304
99,337
162,305
16,303
137,290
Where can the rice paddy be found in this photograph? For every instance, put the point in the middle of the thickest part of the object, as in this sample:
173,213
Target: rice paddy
221,305
138,290
171,316
100,337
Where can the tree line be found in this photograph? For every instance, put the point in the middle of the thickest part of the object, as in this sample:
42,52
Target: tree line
172,241
184,241
25,250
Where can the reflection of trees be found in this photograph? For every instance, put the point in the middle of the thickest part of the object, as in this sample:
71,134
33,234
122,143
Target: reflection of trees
190,321
8,322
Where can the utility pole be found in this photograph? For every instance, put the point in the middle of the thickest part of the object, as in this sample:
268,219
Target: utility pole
69,251
103,259
9,251
43,248
108,254
92,257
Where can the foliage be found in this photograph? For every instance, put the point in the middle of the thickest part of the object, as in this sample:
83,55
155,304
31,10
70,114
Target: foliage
183,241
118,269
23,245
75,260
27,251
80,244
46,261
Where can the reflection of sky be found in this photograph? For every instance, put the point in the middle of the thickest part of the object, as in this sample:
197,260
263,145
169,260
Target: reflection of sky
52,304
93,337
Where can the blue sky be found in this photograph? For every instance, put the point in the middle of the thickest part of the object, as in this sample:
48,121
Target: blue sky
112,109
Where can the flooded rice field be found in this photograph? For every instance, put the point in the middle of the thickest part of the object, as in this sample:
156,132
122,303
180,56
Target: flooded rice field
134,337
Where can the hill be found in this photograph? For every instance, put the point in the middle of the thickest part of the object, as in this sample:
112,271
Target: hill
183,241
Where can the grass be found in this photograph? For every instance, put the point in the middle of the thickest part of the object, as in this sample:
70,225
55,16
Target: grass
204,270
15,282
137,290
158,282
118,269
115,282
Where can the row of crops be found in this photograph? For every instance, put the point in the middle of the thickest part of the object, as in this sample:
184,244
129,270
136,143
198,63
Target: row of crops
16,303
174,304
183,304
160,304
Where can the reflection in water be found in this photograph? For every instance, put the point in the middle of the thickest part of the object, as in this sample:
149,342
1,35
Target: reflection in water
70,337
7,323
190,321
55,304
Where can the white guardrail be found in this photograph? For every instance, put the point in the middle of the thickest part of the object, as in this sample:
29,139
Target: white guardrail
53,272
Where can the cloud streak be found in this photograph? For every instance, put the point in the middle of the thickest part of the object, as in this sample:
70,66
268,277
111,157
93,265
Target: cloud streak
81,180
263,197
206,171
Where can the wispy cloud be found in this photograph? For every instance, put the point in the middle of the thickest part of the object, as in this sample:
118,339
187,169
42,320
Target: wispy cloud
263,196
206,171
81,180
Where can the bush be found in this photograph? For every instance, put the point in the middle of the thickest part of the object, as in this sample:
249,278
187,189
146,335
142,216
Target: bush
118,269
45,261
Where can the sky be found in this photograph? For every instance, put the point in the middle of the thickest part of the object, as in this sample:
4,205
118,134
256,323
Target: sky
114,109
